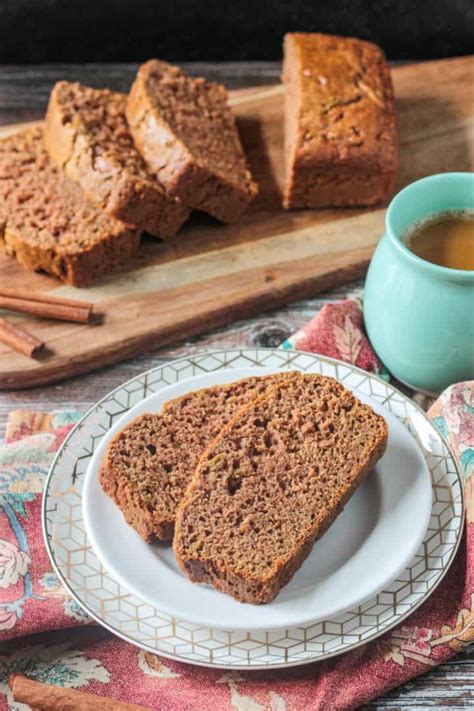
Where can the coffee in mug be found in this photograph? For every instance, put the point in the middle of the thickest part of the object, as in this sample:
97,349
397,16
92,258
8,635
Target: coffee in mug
445,238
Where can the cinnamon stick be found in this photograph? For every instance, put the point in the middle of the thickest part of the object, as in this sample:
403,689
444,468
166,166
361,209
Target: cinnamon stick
45,305
19,339
49,697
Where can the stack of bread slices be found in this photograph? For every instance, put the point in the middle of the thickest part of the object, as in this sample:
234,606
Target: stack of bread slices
76,195
244,477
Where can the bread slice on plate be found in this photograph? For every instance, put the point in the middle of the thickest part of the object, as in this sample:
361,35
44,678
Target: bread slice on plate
46,221
87,136
185,130
272,482
149,463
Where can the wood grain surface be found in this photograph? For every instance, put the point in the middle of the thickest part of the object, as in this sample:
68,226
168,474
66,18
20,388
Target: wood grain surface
23,97
212,274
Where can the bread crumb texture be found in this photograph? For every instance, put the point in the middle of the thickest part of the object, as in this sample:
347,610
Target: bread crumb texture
47,223
187,133
149,464
272,482
87,136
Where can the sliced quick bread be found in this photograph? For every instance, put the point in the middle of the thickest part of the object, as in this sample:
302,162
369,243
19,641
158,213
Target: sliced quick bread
47,223
185,130
271,484
87,136
149,464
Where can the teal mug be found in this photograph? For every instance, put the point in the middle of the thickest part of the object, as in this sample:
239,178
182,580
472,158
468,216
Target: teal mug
419,316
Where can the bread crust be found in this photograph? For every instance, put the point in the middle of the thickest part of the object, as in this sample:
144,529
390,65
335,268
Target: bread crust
101,168
172,162
134,513
341,139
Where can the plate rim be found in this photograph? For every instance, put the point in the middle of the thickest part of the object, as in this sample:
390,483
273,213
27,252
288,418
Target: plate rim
249,666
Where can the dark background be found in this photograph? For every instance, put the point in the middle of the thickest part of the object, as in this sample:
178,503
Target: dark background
189,30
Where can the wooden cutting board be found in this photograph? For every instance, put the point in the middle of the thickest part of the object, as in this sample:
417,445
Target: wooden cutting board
212,274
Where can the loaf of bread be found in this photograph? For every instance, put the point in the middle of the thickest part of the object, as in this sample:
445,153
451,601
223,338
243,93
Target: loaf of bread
341,141
272,482
87,137
46,221
185,130
149,464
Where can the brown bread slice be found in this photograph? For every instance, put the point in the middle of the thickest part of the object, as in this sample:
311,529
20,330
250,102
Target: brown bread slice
87,136
149,464
272,482
185,130
46,221
341,142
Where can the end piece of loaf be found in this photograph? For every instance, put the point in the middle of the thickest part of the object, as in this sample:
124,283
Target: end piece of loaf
341,140
46,221
87,137
272,482
186,132
149,464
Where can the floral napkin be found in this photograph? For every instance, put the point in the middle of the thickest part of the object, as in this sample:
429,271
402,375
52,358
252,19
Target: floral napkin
338,331
72,652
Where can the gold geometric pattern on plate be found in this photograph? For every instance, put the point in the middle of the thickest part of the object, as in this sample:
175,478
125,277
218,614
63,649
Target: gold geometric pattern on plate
110,603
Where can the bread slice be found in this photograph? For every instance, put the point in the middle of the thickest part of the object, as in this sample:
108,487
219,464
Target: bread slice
272,482
149,464
87,136
185,130
46,221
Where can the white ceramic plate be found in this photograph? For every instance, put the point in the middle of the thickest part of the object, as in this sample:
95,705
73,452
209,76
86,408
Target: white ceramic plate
369,544
131,617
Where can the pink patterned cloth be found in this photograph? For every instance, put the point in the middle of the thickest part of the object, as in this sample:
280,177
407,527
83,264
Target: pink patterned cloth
338,331
87,657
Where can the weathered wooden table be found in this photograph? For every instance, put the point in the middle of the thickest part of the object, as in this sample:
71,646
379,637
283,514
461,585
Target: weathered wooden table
23,96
